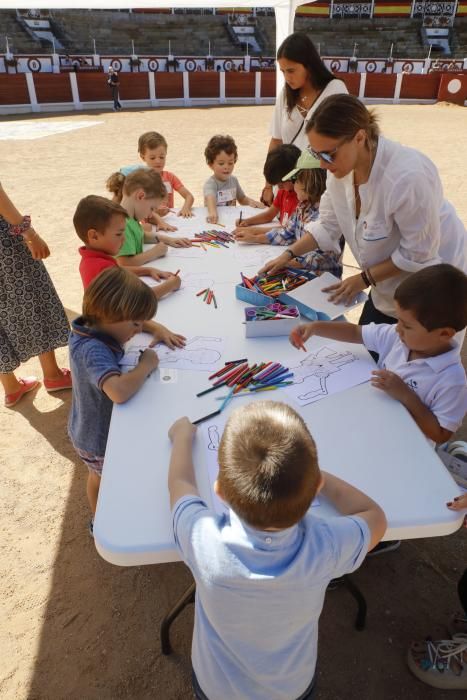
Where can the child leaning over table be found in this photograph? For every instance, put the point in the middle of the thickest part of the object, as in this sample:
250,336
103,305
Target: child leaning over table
115,306
100,224
222,189
309,184
262,570
419,361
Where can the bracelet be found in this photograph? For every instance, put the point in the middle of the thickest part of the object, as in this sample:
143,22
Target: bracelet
292,255
370,277
19,229
365,279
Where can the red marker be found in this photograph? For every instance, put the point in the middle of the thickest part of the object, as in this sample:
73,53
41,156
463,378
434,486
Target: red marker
296,337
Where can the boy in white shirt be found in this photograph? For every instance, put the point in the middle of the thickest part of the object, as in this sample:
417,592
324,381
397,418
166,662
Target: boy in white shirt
419,362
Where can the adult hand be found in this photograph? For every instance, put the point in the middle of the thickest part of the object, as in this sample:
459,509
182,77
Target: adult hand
267,195
459,503
346,291
182,429
273,266
36,245
390,383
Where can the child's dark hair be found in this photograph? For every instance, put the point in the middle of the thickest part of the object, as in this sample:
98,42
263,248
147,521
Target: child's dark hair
95,212
150,139
118,295
280,161
217,144
314,183
142,178
268,465
437,297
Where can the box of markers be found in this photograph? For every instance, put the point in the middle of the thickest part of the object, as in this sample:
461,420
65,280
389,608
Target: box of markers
263,321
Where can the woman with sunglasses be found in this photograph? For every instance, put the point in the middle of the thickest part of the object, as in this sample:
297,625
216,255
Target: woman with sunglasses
307,83
385,199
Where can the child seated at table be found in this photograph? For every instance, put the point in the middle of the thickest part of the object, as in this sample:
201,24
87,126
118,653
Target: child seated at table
115,306
419,361
309,184
222,189
142,192
279,162
152,149
262,570
100,224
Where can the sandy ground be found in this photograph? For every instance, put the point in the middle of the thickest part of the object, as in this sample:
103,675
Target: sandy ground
76,627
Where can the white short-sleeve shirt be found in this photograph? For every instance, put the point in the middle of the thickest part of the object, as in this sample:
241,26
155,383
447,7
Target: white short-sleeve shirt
284,126
403,216
439,381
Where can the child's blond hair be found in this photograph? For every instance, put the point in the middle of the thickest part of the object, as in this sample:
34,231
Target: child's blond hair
268,465
94,212
143,178
313,181
117,295
150,139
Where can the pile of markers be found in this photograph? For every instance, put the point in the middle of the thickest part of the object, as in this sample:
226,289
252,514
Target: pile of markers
275,285
240,379
214,239
271,312
208,296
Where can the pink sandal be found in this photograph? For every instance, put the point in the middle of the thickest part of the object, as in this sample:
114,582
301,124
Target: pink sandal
59,384
27,384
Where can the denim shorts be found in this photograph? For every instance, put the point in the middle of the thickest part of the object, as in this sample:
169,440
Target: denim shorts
93,462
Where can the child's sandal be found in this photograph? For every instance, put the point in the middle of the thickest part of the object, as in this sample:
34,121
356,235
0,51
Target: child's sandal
440,664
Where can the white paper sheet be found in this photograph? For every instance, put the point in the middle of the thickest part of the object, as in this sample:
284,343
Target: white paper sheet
202,353
311,293
326,371
254,257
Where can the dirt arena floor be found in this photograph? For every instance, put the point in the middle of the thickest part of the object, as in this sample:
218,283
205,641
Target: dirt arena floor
73,626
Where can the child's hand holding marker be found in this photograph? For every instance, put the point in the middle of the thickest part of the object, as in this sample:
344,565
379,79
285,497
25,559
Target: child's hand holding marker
160,275
148,360
175,242
300,334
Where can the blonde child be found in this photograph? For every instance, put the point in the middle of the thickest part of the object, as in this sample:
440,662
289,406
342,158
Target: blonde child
222,188
100,224
142,192
278,163
152,224
309,184
262,569
115,306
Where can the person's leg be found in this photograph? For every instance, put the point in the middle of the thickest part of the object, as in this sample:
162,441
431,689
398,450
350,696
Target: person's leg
16,388
10,383
92,489
55,378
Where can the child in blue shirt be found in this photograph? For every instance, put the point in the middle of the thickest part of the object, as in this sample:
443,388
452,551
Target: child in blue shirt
262,571
115,306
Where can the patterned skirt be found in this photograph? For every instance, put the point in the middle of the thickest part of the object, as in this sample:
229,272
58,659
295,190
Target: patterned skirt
32,317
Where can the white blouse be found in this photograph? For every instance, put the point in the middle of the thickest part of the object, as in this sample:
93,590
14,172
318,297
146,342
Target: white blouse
403,216
284,126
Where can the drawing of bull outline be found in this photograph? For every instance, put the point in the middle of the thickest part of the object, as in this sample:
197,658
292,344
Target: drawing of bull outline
322,364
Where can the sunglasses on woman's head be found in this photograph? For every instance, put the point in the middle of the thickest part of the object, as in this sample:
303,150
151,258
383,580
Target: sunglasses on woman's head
327,156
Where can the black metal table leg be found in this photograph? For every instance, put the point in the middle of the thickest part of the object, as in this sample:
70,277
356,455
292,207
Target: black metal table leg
164,630
354,590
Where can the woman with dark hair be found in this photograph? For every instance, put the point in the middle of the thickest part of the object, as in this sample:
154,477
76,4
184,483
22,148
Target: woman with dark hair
385,199
307,83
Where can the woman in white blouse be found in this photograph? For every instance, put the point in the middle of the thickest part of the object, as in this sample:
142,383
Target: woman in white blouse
307,83
385,199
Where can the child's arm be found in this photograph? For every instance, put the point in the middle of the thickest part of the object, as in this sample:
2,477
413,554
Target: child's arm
181,472
263,217
334,330
350,501
141,258
210,203
252,234
161,334
249,202
175,242
120,388
185,211
158,221
393,385
170,285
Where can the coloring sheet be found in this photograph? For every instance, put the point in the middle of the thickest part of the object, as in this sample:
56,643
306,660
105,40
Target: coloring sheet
185,253
195,281
249,256
201,353
211,432
326,371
